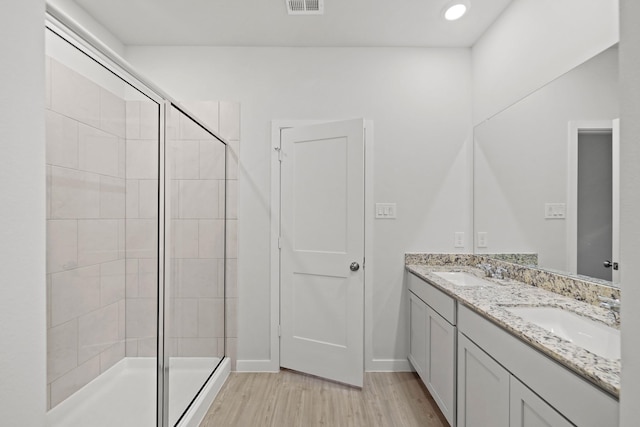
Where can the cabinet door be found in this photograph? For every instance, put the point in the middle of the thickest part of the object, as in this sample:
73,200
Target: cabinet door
418,335
483,388
441,357
528,410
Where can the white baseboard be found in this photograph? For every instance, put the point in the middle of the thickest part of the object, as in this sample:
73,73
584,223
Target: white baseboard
257,366
375,365
389,365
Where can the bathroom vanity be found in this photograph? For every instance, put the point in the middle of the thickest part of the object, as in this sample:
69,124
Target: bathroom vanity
488,362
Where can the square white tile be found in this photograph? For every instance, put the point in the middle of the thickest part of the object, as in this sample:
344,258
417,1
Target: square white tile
212,154
74,194
148,198
112,282
141,318
62,140
112,197
199,199
74,293
74,95
184,238
184,159
211,317
197,278
62,245
141,238
98,151
97,331
211,238
112,113
97,241
62,349
142,159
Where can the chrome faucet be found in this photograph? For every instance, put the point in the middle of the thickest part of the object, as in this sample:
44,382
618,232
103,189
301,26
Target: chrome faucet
491,271
612,304
488,269
498,273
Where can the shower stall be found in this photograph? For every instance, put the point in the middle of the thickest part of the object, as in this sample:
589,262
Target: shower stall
136,227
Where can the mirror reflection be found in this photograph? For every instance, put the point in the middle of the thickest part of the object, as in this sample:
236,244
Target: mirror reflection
545,174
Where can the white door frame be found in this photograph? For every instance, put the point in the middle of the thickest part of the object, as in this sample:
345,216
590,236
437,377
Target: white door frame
572,190
273,364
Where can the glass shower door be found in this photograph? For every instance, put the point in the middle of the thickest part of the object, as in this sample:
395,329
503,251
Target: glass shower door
194,267
103,172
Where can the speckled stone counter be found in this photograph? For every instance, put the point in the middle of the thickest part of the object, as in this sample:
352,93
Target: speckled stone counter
492,302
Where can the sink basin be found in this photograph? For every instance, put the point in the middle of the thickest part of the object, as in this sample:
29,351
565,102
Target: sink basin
594,336
460,278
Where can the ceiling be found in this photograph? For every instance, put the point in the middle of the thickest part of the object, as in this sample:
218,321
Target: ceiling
415,23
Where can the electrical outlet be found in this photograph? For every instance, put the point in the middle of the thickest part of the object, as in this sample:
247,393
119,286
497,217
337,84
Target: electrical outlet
458,239
483,239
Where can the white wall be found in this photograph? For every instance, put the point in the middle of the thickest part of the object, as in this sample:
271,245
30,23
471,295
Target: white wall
532,43
419,101
22,216
630,205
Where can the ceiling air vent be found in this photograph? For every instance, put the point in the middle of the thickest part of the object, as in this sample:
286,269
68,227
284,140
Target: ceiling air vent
305,7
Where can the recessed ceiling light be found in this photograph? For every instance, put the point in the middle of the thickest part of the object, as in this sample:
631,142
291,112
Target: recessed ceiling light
455,10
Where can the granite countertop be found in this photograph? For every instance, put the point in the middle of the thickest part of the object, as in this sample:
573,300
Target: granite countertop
492,303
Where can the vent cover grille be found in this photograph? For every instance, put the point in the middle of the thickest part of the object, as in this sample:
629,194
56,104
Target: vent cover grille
305,7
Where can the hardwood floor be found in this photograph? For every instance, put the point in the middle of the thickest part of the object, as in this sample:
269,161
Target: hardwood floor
292,399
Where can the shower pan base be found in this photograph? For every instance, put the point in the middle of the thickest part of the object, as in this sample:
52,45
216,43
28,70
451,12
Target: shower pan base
115,397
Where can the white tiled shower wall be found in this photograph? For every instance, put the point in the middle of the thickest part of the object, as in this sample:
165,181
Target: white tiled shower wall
195,196
101,225
224,118
85,230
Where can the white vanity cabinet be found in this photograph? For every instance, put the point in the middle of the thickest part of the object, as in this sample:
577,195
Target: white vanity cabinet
433,342
529,410
418,335
483,388
504,382
488,395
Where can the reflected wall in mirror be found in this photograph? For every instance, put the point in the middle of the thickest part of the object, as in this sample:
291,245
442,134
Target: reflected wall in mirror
529,165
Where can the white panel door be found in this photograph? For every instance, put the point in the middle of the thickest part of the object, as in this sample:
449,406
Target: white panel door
322,250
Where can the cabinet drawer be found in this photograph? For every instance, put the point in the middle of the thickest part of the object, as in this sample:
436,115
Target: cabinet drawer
442,303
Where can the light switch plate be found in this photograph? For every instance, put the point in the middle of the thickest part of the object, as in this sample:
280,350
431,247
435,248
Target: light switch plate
555,210
458,239
385,211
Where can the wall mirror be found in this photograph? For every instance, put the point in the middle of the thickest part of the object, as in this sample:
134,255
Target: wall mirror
546,177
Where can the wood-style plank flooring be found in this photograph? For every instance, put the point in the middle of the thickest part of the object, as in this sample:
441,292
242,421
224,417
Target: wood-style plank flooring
288,399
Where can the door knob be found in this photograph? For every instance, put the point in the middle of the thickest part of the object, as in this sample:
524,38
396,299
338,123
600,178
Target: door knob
609,264
354,266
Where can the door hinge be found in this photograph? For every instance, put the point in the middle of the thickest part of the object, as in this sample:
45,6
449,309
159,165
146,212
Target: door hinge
279,331
279,242
279,150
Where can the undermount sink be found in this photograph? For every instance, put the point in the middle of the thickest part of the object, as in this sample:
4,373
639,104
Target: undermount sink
460,278
589,334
